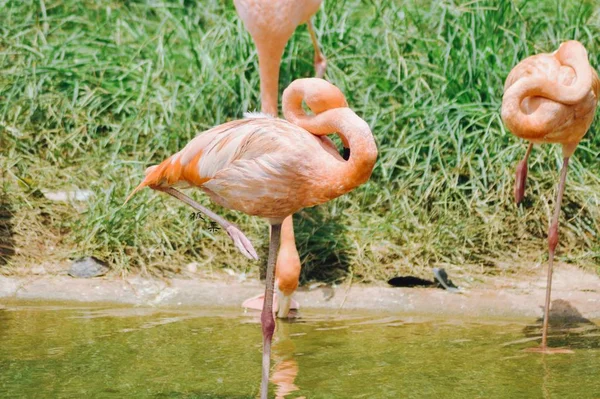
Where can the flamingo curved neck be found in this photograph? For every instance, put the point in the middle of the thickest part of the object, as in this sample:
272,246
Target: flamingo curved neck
287,230
574,55
528,126
341,176
288,260
536,123
570,54
542,120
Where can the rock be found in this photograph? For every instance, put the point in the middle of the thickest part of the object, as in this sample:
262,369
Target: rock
38,270
88,267
192,267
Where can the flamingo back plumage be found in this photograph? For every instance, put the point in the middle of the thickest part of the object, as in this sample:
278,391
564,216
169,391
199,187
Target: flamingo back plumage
260,166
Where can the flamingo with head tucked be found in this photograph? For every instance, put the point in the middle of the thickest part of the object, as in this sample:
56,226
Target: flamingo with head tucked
271,24
272,168
551,98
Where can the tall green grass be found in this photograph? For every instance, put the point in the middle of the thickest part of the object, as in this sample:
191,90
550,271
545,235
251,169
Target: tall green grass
93,92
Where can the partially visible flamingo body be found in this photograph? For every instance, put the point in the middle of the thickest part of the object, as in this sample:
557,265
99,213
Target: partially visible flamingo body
271,168
551,98
271,24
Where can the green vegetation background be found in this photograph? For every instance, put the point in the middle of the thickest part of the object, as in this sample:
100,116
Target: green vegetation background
92,92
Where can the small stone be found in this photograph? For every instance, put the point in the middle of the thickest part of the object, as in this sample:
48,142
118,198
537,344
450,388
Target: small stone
192,267
38,270
88,267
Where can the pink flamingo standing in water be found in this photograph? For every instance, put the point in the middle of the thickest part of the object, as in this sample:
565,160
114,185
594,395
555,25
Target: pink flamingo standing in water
271,24
271,168
551,98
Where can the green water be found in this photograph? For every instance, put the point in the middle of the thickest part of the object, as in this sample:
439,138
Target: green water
119,352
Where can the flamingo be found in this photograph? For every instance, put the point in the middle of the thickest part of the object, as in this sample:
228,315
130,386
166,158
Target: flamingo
271,24
272,168
550,98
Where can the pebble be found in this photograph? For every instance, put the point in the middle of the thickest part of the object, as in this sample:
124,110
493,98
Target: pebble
192,267
38,270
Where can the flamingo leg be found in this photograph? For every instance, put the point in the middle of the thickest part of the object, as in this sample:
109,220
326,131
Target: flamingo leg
521,176
320,60
552,243
266,317
239,239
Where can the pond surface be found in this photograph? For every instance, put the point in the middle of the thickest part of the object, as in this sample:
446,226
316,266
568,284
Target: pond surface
78,351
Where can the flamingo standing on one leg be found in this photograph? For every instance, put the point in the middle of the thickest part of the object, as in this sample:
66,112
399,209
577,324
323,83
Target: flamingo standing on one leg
272,168
551,98
271,24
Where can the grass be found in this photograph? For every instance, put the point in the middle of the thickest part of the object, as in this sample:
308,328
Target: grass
93,92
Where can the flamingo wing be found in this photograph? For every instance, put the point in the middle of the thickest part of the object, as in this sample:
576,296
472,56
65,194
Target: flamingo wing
236,161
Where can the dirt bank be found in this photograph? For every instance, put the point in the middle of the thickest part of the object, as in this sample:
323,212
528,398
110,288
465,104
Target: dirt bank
492,297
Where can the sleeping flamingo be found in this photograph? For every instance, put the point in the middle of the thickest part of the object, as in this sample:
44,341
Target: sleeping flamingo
269,167
271,24
551,98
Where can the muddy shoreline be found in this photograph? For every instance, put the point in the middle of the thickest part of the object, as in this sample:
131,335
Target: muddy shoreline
494,297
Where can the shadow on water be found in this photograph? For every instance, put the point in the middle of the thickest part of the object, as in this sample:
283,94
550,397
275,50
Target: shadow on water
7,241
566,327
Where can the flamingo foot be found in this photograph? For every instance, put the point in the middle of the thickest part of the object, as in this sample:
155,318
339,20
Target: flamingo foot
256,303
242,242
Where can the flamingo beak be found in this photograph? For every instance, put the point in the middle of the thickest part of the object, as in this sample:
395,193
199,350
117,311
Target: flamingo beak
346,154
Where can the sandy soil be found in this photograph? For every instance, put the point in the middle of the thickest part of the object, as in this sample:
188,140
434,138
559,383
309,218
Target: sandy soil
492,297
